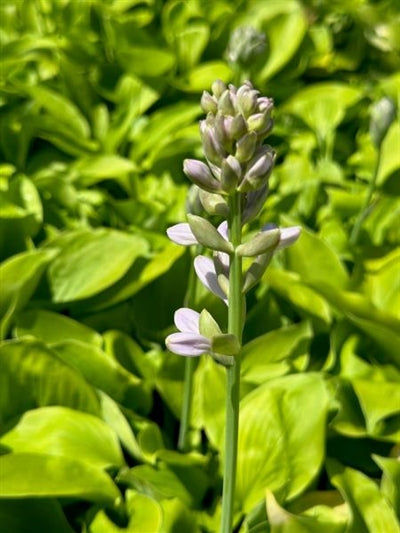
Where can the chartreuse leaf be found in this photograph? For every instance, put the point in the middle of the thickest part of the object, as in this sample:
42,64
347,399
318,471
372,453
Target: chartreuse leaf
145,516
202,76
103,372
371,511
34,515
382,282
66,432
177,517
19,277
52,327
33,376
390,161
280,448
25,475
316,261
390,485
281,521
146,61
96,168
379,401
92,261
271,353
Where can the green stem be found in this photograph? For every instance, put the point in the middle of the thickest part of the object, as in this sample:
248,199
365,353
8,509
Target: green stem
235,326
365,209
190,366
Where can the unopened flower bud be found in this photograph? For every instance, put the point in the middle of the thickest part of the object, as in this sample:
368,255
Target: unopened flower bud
258,169
238,127
245,44
207,234
382,115
208,103
246,100
218,87
214,204
256,270
265,104
225,103
261,243
212,147
193,203
254,202
231,172
246,146
200,175
260,122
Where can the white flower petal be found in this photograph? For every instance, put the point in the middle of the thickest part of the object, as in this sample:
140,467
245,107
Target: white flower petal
288,236
181,234
187,320
188,344
205,271
223,229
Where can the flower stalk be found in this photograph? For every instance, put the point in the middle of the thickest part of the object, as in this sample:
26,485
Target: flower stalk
233,183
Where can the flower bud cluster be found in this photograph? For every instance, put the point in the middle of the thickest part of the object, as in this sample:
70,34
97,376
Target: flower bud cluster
237,122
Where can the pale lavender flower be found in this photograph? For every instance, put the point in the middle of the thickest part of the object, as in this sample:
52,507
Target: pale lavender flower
207,274
188,342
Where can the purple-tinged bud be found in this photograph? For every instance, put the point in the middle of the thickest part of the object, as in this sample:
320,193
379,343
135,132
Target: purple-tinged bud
265,104
259,122
214,204
193,204
246,146
258,170
218,87
231,173
208,103
225,104
288,236
200,175
246,100
254,203
238,127
212,147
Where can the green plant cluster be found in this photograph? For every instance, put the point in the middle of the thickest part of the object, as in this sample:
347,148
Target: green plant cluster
99,103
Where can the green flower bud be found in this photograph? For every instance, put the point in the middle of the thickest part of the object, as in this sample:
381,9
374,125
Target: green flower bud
212,146
218,87
238,127
208,103
246,100
225,104
231,173
383,114
200,175
246,146
207,235
193,203
259,122
261,243
256,270
258,169
214,204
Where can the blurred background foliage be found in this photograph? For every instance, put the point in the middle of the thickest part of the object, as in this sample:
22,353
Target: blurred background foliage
99,105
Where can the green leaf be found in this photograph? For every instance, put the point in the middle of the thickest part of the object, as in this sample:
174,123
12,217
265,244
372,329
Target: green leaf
274,413
97,168
281,521
20,276
93,261
315,261
51,327
382,282
146,61
390,485
105,373
261,355
65,432
370,510
145,516
25,475
33,376
34,515
390,161
200,78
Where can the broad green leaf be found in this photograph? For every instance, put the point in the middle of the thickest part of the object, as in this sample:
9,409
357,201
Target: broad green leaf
97,168
379,401
281,521
390,485
66,432
285,34
51,327
60,108
201,77
382,282
146,61
323,106
349,419
259,356
390,158
315,261
304,299
370,510
145,516
33,376
190,43
280,448
177,517
26,475
20,276
92,262
104,373
34,515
